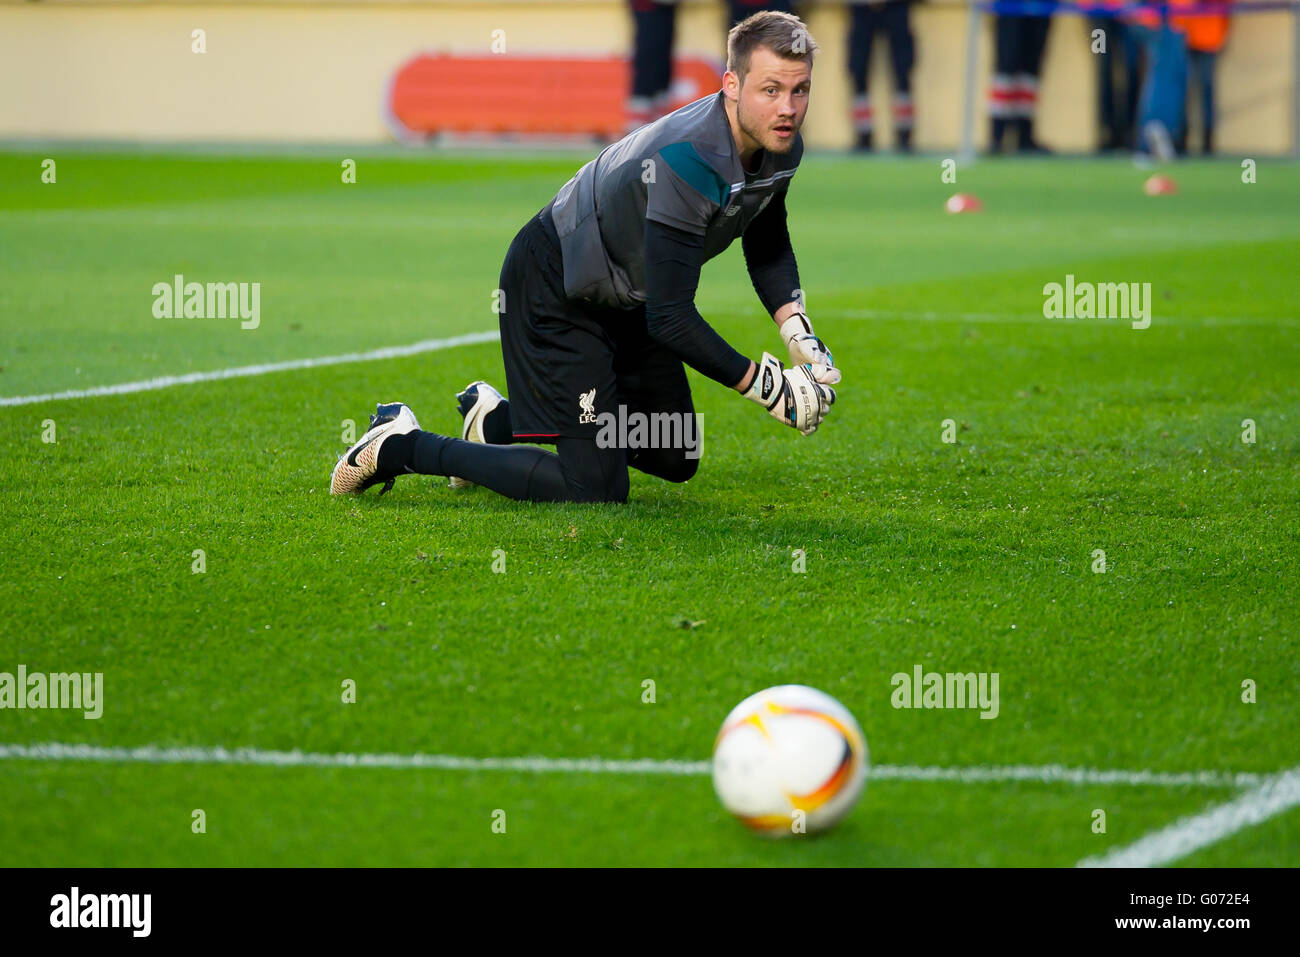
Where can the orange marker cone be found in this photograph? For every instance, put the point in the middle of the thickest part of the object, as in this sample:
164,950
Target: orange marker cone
963,203
1159,185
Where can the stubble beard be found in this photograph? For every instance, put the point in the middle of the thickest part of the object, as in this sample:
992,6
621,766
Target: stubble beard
758,136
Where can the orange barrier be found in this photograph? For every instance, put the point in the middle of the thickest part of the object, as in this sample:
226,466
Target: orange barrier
1206,33
434,93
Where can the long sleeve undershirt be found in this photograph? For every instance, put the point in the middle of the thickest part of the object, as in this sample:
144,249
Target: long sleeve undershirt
673,260
770,257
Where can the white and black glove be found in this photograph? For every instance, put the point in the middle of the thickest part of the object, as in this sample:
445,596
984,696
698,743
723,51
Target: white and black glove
794,396
806,349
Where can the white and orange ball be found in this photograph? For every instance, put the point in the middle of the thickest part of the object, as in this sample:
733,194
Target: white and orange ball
789,760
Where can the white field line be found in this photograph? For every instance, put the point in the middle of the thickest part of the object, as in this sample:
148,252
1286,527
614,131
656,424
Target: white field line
1188,834
1057,774
150,754
239,372
432,345
1030,318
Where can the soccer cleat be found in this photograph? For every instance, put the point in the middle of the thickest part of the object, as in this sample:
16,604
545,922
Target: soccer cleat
359,468
474,402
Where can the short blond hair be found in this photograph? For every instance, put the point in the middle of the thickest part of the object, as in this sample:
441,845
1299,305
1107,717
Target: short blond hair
782,33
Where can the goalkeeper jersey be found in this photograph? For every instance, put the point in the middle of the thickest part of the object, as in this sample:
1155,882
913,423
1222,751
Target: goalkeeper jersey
683,171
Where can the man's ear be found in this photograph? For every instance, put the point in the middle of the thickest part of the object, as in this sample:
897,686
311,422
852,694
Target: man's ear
731,86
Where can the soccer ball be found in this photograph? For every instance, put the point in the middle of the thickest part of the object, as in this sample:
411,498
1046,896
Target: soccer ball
789,760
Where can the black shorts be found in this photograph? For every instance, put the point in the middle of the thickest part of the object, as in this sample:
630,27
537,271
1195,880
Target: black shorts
567,362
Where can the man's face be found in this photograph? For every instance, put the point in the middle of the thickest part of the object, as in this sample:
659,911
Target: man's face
772,101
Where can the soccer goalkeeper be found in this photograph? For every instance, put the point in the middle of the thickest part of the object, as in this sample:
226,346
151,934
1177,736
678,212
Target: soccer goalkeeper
597,297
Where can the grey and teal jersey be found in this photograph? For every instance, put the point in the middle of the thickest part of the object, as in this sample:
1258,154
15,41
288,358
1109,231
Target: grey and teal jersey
683,171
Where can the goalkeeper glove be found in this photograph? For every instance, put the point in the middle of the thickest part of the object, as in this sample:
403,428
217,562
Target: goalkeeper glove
806,349
794,396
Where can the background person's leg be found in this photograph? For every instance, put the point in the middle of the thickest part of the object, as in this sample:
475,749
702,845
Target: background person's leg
1107,119
1031,67
1164,92
645,48
902,49
861,36
1131,67
1146,38
1201,64
665,28
1002,93
1171,80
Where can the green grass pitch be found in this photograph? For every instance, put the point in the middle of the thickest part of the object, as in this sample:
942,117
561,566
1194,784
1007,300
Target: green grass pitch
976,555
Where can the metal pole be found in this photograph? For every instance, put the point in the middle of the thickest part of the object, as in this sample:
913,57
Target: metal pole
967,152
1295,78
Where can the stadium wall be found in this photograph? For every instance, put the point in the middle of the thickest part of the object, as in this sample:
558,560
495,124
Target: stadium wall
317,71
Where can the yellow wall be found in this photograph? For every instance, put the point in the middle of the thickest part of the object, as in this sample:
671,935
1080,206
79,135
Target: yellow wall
316,72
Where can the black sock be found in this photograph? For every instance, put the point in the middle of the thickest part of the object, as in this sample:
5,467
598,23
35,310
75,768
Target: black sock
522,472
496,425
999,132
582,472
399,450
395,454
1026,135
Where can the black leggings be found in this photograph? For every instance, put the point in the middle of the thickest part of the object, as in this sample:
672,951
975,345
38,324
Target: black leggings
863,23
578,470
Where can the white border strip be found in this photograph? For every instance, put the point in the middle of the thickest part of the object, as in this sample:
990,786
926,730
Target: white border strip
1046,774
239,372
1189,834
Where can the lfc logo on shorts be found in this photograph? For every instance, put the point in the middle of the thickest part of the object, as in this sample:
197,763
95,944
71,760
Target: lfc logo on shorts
587,400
